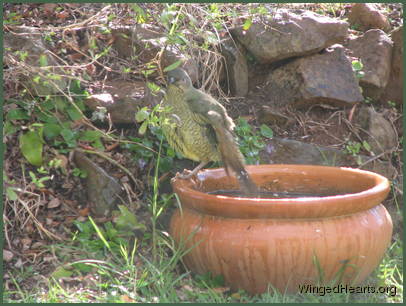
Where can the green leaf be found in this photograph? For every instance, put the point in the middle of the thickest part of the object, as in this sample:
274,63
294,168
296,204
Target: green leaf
61,103
43,61
357,65
127,220
83,267
67,134
17,114
142,114
51,130
247,24
366,145
46,118
9,128
61,272
173,66
266,131
31,145
75,87
143,128
73,113
11,195
90,135
154,88
69,137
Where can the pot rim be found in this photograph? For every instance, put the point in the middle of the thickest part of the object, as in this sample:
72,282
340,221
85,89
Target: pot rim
305,207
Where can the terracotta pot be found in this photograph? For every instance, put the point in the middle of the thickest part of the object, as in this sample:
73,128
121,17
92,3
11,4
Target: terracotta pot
284,242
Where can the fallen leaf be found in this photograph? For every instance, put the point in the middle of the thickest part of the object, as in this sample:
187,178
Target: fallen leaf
26,242
19,263
84,212
49,8
55,202
221,289
7,255
126,299
62,15
37,245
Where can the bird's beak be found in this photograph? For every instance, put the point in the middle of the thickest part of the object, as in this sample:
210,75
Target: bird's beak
171,80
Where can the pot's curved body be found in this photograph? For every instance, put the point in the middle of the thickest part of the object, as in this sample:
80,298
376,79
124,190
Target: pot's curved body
288,242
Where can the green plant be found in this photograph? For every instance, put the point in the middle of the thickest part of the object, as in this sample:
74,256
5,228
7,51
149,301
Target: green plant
79,173
251,141
357,67
39,181
354,148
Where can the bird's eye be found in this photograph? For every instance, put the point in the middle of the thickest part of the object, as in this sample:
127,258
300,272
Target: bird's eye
171,80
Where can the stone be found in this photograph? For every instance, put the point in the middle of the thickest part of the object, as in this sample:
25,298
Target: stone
30,42
374,49
290,34
366,16
394,89
287,151
145,45
122,100
236,68
376,130
103,190
322,78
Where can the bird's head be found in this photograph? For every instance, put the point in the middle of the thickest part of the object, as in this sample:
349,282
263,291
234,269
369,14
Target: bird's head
179,78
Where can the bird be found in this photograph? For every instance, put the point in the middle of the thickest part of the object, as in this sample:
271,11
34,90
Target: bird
199,128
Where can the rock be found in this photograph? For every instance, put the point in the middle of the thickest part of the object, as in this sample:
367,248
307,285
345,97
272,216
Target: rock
290,34
125,38
366,16
145,44
123,99
322,78
374,49
32,44
382,167
103,190
376,130
286,151
394,89
236,68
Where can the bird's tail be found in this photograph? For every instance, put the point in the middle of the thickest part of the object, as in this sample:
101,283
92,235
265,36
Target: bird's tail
234,160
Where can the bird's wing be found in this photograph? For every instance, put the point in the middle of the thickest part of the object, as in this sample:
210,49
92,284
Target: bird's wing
201,103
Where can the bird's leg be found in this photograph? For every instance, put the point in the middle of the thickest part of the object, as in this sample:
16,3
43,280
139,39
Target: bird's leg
187,174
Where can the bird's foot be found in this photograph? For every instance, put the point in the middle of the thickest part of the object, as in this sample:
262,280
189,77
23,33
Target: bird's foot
185,175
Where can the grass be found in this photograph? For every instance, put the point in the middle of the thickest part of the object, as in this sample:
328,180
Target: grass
98,265
127,280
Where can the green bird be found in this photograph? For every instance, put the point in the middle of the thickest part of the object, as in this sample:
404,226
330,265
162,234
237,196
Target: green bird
201,130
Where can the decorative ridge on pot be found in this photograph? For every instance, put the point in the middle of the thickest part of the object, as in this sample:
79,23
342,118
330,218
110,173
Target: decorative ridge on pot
363,190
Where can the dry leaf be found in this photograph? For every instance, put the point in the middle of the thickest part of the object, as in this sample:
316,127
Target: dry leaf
221,289
26,242
7,255
84,212
55,202
126,299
